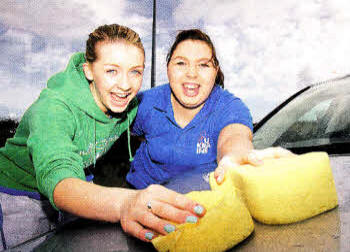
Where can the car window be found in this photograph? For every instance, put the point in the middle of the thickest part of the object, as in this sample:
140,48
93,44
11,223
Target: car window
320,116
307,126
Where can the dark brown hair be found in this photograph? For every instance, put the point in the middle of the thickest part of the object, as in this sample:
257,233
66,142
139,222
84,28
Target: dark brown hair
110,33
196,34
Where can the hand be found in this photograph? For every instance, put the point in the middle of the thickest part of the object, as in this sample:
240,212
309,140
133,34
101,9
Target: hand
151,210
254,157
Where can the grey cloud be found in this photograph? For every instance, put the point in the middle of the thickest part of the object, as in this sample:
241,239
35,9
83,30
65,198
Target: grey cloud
48,18
38,44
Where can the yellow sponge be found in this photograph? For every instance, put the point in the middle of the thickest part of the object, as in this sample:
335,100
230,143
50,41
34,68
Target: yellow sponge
286,190
226,223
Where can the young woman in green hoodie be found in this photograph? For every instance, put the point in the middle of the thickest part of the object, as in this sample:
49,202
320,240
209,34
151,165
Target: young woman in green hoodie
76,119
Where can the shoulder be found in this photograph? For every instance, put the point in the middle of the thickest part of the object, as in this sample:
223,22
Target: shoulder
49,110
230,108
50,102
149,101
152,93
226,98
153,97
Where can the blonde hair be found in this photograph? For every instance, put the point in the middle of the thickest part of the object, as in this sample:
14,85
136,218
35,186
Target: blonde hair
110,33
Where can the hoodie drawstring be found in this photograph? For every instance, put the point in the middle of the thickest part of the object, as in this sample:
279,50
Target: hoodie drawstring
129,146
95,143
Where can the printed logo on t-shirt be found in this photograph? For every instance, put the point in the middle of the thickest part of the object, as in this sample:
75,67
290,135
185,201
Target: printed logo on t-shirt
203,144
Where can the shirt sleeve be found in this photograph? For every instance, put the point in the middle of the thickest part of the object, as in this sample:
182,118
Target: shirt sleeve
55,156
232,110
137,125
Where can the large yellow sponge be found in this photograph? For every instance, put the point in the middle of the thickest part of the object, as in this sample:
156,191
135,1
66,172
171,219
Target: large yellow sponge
288,189
226,223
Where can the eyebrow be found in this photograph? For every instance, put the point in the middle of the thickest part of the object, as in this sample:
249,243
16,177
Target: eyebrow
184,58
116,65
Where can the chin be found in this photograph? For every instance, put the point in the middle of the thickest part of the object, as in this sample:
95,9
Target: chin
118,110
192,104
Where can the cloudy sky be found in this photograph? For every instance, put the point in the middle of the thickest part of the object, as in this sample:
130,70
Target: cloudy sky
267,49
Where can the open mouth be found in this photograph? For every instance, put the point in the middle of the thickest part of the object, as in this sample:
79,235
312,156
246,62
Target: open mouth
190,89
120,99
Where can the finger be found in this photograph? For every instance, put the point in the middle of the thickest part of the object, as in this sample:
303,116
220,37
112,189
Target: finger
282,152
219,174
155,223
265,153
273,152
135,229
171,213
182,202
176,199
224,164
254,158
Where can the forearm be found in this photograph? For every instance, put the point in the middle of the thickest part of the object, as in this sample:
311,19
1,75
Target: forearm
89,200
234,141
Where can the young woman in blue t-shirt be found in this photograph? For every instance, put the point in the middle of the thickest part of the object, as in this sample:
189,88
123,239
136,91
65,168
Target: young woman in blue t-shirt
192,125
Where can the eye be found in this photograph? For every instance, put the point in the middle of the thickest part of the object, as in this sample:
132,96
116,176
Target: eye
204,65
137,72
180,63
111,71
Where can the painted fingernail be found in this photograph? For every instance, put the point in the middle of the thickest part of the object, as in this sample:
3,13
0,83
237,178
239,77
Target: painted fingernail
198,209
169,228
149,236
191,219
219,179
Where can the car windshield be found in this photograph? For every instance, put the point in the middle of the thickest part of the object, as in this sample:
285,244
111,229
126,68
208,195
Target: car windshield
320,116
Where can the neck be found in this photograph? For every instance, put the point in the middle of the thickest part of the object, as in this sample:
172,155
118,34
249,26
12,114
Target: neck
183,115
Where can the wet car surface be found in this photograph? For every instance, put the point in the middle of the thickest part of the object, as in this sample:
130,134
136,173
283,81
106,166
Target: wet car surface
329,231
315,119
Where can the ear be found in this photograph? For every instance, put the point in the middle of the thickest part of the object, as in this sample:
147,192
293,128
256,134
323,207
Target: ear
87,71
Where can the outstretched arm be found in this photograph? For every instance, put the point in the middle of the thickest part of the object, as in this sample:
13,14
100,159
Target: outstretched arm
128,206
235,148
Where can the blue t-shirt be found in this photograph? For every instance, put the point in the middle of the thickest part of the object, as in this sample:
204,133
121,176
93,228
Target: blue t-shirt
169,150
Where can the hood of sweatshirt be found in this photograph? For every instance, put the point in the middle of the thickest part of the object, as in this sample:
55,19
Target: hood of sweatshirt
71,84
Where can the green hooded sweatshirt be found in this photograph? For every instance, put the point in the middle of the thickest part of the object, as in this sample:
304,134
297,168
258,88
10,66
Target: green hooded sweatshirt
61,133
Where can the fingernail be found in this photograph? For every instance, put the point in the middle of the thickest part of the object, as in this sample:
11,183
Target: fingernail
198,209
191,219
220,179
149,236
169,228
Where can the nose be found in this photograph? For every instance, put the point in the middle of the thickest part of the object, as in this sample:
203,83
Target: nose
124,82
192,71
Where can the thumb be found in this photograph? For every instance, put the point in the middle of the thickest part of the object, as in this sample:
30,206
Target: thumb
224,164
219,174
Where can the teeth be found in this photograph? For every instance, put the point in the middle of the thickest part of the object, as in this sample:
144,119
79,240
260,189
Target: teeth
190,86
121,95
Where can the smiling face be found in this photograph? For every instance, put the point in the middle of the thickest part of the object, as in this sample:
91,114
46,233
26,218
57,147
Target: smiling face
116,75
191,74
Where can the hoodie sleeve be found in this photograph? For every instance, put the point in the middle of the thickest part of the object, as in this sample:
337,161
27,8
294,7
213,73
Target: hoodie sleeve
55,157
